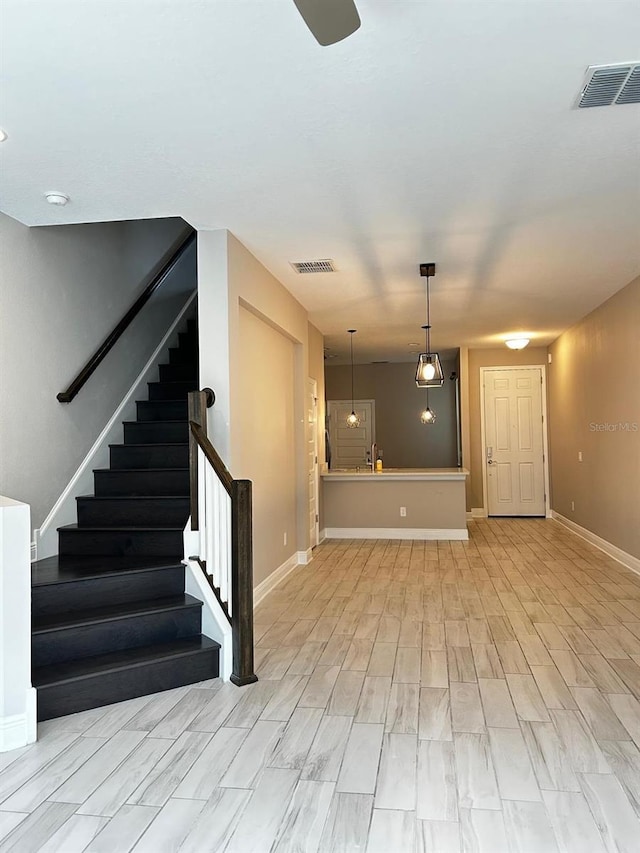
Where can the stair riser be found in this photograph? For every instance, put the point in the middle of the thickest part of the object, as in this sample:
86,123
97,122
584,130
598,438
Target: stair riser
121,588
149,456
183,356
141,543
156,432
50,647
161,410
188,341
104,688
141,482
179,372
133,512
171,390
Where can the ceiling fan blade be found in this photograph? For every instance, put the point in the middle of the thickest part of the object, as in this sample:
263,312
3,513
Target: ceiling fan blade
329,20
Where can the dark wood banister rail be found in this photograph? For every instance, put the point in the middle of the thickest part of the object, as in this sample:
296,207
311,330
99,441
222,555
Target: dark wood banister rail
157,277
241,536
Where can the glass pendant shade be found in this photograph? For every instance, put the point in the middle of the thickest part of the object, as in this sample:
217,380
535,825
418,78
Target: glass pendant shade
429,373
353,420
428,416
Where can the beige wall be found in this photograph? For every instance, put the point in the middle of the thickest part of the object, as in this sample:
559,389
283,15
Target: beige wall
477,358
429,504
255,353
264,427
405,440
594,379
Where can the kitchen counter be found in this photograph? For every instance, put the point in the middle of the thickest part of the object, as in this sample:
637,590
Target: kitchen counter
395,503
397,474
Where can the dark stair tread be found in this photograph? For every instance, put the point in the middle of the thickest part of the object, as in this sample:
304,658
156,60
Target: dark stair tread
136,497
92,616
167,421
132,470
152,444
119,528
171,400
71,568
62,673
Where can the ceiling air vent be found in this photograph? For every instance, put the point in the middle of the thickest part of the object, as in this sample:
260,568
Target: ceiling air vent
325,265
606,85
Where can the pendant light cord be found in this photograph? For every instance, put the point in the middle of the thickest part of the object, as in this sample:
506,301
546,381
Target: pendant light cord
352,400
428,329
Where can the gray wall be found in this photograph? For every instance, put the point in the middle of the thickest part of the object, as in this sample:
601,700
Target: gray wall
406,442
62,289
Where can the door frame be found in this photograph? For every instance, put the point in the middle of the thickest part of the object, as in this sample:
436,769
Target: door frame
312,389
545,428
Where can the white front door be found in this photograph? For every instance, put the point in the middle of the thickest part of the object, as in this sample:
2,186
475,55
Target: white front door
312,460
514,447
350,448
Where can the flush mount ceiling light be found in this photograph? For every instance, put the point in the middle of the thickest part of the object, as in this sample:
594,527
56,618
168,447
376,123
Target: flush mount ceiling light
517,343
3,135
429,373
353,420
59,199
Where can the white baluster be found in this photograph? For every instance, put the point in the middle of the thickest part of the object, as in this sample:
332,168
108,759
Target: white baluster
210,531
202,469
215,502
222,533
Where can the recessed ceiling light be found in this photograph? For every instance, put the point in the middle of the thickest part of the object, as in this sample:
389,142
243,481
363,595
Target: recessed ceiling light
413,344
3,135
57,198
517,343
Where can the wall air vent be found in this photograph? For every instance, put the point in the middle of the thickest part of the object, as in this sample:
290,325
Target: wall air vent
606,85
325,265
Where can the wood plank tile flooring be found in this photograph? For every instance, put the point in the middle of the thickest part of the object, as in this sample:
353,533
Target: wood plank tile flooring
413,698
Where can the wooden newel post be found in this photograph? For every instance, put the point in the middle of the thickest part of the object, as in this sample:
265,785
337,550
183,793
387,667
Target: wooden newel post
197,412
242,583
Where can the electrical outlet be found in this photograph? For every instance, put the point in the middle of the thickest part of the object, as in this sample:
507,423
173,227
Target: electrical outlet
579,456
403,512
573,506
285,538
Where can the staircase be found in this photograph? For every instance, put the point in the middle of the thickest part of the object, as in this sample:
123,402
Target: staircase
110,617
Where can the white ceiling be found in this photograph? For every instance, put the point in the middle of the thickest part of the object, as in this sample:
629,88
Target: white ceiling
440,131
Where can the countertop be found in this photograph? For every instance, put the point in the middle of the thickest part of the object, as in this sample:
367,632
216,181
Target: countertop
396,474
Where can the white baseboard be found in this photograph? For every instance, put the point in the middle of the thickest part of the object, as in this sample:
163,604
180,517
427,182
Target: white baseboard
456,534
478,512
304,557
611,550
323,536
276,577
64,509
18,730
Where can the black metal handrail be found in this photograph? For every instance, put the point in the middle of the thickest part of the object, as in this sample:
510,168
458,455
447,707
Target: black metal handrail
240,493
157,278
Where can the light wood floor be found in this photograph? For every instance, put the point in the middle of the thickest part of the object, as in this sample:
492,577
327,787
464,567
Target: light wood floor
413,696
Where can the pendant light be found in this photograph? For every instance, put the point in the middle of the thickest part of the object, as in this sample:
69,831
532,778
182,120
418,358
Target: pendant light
429,373
353,420
428,416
